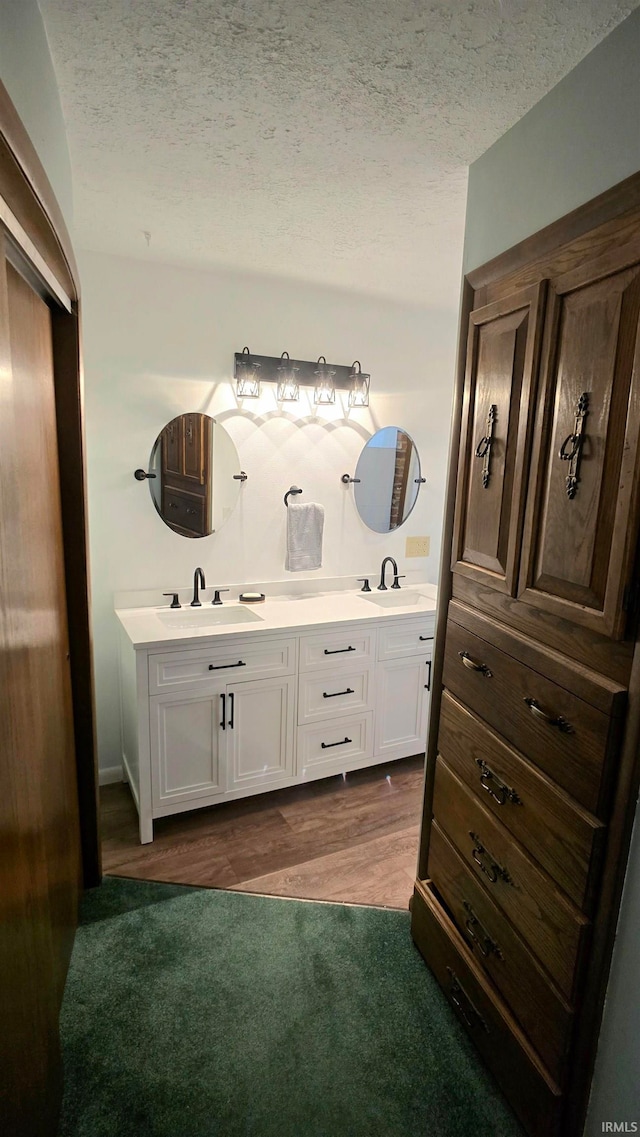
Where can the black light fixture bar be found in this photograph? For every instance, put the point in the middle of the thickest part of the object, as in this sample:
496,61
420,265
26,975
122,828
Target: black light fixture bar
306,374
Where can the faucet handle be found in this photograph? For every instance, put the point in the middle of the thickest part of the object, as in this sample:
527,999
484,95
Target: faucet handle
396,578
216,595
364,580
175,603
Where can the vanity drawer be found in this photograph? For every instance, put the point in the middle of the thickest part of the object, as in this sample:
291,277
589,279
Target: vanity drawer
505,1049
338,745
552,927
408,638
564,735
560,835
260,659
323,696
538,1006
185,509
338,649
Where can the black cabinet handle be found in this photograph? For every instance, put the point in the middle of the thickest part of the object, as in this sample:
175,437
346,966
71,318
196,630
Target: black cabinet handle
232,703
338,650
334,694
423,639
221,666
328,745
495,786
463,1004
551,720
473,664
493,870
477,933
223,721
428,683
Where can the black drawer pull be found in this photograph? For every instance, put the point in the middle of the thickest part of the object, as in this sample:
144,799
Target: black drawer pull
493,870
338,650
551,720
477,933
328,745
334,694
221,666
173,505
474,665
463,1004
501,793
424,638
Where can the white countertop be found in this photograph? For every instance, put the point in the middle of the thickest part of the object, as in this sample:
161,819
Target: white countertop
152,627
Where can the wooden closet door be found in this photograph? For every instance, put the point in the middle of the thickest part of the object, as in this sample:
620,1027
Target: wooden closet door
40,861
502,358
582,522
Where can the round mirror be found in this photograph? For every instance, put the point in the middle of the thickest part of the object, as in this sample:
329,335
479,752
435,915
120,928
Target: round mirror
197,475
387,479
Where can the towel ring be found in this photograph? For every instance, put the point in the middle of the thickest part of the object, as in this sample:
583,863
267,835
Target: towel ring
294,490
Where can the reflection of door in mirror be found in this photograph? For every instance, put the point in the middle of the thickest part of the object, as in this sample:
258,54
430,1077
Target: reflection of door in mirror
387,479
185,475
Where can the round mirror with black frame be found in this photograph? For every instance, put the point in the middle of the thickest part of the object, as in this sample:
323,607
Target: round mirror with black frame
194,475
387,479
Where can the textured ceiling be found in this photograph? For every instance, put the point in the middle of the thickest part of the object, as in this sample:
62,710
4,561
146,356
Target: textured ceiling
326,140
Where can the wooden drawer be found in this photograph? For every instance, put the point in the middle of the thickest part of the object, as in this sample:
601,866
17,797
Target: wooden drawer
258,659
551,925
185,509
409,638
338,649
341,744
572,748
323,696
560,835
515,1065
545,1016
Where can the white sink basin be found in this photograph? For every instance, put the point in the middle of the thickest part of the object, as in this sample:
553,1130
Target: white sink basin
393,598
207,617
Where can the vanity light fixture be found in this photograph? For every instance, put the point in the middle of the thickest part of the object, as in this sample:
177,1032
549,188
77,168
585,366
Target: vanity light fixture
251,372
325,391
247,382
288,389
359,393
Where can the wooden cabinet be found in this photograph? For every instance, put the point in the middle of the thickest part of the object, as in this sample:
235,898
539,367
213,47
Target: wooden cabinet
502,356
532,754
230,716
185,472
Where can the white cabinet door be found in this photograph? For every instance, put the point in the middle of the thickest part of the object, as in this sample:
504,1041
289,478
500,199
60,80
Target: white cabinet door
259,732
402,705
187,746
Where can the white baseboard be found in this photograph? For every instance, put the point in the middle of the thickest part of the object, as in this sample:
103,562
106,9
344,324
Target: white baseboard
110,775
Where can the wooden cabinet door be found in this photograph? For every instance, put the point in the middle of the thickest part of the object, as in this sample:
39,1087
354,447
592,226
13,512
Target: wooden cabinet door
187,745
260,732
581,526
195,436
402,705
172,448
502,358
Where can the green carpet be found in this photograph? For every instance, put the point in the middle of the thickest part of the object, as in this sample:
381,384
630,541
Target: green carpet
197,1013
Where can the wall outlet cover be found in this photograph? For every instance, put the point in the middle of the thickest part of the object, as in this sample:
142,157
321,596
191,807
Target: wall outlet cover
417,547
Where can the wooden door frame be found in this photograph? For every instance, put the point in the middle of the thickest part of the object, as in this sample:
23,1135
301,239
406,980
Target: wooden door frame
37,226
599,226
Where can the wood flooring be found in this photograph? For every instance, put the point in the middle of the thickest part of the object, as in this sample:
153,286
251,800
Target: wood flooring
353,840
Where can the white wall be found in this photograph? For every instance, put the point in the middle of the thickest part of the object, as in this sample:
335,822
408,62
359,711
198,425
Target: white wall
27,72
158,341
582,138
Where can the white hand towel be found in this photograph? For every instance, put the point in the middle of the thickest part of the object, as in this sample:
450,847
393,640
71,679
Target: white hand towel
305,523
